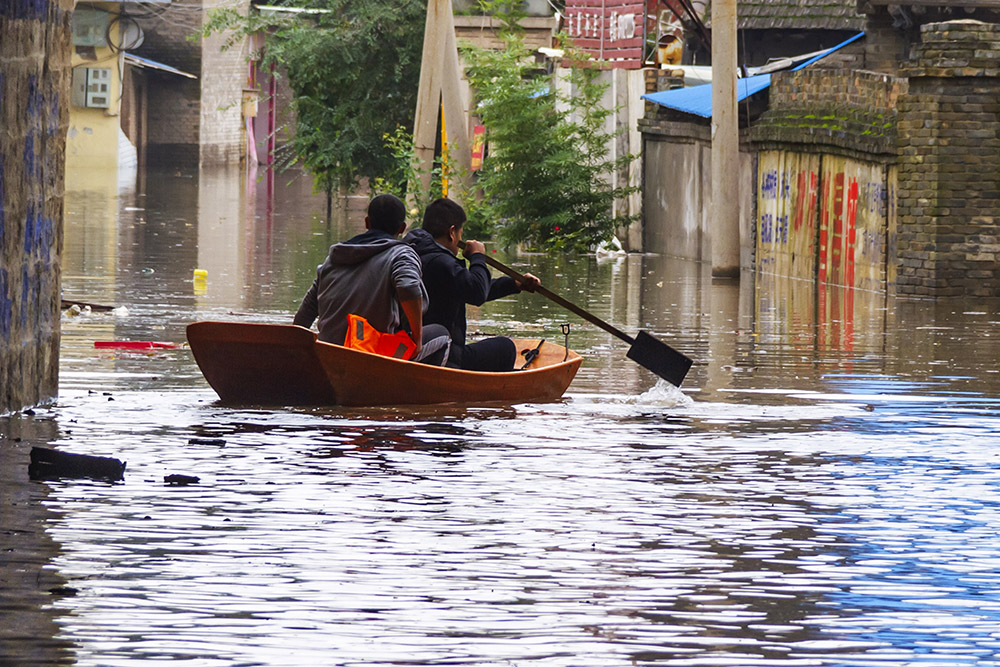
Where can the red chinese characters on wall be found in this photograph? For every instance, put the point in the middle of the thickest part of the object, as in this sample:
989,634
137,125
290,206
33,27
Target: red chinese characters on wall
609,30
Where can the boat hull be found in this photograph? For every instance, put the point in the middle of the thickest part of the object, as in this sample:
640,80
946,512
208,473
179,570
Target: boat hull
279,364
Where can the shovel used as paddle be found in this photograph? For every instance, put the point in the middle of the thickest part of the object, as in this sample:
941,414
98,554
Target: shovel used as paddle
644,349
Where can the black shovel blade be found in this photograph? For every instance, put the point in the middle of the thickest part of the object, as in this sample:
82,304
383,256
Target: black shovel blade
660,358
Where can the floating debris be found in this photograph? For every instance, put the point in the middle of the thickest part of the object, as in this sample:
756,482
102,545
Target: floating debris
216,442
51,464
180,480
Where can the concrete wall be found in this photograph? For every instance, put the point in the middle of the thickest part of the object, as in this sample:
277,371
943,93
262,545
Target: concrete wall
34,114
623,93
677,191
481,30
949,180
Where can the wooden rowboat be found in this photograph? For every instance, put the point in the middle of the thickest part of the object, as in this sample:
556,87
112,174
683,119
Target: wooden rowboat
284,364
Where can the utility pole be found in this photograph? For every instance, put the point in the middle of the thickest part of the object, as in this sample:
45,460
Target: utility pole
725,213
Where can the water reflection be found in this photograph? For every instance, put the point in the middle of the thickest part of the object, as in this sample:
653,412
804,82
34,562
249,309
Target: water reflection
29,581
820,494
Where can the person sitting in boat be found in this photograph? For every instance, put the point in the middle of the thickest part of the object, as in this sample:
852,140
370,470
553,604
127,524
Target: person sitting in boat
377,277
451,285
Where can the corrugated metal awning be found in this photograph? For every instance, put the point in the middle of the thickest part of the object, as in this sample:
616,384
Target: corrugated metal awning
697,100
139,61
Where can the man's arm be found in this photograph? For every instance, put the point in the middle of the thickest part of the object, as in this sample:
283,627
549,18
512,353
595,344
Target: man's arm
414,311
482,287
308,309
409,291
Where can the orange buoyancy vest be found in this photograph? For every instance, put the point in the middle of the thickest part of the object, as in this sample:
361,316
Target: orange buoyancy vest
363,336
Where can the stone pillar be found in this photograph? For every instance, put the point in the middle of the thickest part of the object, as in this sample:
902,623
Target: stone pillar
949,163
34,114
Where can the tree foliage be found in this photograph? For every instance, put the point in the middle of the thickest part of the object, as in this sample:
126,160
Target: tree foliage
353,69
546,178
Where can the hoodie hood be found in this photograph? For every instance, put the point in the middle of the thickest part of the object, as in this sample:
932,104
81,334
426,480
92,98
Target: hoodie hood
362,248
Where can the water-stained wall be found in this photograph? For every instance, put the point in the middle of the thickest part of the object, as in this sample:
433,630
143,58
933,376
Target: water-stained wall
825,217
34,114
826,178
677,191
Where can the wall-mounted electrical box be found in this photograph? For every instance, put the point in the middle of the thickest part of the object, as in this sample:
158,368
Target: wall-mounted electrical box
90,26
92,87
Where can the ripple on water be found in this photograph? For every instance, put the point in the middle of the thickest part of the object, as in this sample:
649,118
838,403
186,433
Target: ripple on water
588,531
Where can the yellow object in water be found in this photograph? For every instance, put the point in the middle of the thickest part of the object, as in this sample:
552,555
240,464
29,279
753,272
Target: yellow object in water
200,281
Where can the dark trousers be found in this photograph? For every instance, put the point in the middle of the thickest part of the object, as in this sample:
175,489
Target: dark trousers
436,345
491,354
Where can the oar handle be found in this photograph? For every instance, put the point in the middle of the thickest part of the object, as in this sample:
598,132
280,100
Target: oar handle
568,305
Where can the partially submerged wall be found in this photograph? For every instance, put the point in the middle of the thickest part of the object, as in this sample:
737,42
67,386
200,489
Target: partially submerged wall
949,195
826,177
677,191
194,122
34,114
224,74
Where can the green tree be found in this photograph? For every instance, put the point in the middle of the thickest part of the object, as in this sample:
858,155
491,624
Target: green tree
353,68
546,178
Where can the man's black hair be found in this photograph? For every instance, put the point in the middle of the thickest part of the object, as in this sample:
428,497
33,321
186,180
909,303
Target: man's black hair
441,215
386,213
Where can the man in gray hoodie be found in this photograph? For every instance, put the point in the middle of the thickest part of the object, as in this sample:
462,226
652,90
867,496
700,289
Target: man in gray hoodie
378,277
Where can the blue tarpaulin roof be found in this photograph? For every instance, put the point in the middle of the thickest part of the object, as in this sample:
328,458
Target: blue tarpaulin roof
698,99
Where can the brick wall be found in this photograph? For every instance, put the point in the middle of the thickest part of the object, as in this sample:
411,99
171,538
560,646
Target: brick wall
826,151
193,122
223,77
886,45
843,112
949,163
173,102
34,114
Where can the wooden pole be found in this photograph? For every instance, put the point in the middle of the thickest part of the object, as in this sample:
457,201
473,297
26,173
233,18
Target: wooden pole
440,89
725,213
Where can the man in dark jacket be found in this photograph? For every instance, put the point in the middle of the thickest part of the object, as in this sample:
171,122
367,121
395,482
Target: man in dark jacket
450,286
376,276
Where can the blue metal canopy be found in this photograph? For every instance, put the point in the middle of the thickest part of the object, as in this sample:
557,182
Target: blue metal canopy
697,100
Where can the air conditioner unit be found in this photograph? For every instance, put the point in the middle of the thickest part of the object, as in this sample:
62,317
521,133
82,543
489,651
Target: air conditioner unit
92,87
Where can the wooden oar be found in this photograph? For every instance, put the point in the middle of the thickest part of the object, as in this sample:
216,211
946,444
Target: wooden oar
645,350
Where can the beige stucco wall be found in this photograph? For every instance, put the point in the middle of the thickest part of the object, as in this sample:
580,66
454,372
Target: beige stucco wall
92,139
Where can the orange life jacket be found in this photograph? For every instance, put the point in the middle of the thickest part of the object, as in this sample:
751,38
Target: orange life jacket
363,336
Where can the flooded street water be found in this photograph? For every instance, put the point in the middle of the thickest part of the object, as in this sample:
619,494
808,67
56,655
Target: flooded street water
823,492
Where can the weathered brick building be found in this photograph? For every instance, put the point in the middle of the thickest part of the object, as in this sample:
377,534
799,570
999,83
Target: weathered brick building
877,167
193,122
34,114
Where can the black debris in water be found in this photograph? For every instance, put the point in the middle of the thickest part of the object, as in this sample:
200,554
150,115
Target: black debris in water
50,464
180,480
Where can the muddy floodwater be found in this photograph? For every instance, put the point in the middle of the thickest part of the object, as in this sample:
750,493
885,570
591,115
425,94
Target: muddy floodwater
824,491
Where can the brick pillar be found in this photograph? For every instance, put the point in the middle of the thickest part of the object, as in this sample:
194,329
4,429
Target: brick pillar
35,42
949,163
